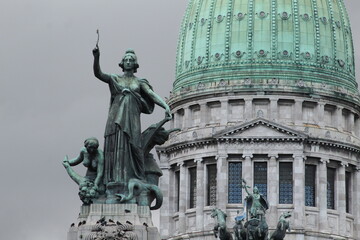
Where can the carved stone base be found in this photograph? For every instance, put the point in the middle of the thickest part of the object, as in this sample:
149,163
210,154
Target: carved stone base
97,218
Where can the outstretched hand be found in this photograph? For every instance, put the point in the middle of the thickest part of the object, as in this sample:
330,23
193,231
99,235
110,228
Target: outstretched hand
65,162
96,52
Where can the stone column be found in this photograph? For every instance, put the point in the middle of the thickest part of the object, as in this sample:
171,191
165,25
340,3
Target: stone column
351,121
273,186
203,114
298,111
273,110
320,114
166,210
222,181
299,192
176,119
187,123
322,195
224,112
341,197
247,172
182,198
248,111
355,203
200,192
339,119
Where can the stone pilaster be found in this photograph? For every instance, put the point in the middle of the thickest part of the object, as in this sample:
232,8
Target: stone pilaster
355,202
341,197
224,112
203,114
273,110
351,121
248,109
298,111
182,198
200,191
187,118
299,191
322,195
320,114
339,119
222,181
273,189
168,193
247,171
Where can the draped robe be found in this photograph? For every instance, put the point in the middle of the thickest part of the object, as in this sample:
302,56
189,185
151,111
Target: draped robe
124,157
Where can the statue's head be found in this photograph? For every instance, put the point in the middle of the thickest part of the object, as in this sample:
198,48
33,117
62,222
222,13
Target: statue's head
129,61
256,190
91,144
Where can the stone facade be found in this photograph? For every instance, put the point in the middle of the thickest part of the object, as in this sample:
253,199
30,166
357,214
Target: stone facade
264,91
271,129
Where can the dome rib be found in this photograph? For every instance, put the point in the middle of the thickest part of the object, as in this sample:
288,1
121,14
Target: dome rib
248,43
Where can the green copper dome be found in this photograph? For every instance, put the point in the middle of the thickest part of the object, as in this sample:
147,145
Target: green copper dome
300,46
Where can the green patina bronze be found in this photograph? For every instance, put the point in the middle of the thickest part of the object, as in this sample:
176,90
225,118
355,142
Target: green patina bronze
299,46
126,172
90,186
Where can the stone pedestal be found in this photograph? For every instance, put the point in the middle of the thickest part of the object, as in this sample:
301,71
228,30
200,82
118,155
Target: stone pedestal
138,216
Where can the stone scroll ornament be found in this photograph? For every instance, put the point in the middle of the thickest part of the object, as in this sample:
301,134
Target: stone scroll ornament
126,172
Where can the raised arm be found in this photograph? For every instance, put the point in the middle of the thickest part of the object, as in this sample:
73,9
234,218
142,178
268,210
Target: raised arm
157,99
97,70
77,160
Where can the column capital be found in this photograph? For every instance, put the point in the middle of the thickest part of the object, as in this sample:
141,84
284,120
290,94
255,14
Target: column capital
249,155
273,155
344,164
324,160
299,155
221,156
357,168
198,160
180,164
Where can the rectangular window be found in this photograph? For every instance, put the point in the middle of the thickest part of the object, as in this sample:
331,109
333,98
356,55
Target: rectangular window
211,185
331,188
348,191
192,173
285,183
177,190
260,177
310,178
234,189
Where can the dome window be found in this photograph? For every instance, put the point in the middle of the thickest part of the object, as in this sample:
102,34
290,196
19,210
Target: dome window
218,56
324,20
262,14
341,63
306,55
262,53
325,59
203,21
240,16
285,16
219,18
338,24
199,60
306,17
238,54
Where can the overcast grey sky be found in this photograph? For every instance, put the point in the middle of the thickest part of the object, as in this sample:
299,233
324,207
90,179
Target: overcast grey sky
50,101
